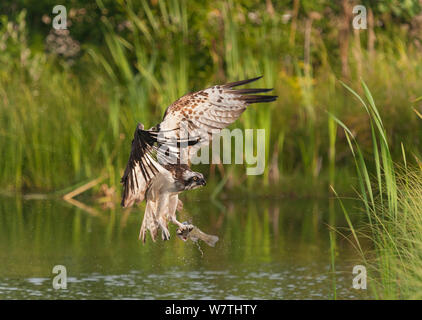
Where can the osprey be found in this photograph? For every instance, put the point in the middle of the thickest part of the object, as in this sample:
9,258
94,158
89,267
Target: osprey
155,170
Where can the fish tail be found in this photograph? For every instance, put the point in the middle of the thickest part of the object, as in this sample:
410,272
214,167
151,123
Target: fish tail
212,240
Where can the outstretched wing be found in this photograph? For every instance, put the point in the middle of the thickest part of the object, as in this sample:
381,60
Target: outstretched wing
208,111
150,153
141,167
190,121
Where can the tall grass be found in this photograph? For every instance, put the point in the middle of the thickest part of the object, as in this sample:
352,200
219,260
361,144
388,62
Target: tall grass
391,194
61,126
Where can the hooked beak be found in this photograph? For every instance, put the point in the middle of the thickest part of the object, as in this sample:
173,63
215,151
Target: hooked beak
203,182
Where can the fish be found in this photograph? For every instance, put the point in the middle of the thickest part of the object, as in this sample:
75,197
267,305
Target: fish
194,234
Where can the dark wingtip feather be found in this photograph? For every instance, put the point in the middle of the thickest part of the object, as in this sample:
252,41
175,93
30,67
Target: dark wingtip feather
257,99
239,83
248,91
246,94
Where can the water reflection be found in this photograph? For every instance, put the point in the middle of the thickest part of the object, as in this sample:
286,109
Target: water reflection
267,250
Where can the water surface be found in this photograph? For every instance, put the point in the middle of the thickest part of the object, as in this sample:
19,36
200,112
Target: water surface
268,249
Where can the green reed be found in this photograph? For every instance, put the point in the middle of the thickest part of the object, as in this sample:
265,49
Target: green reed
62,126
391,196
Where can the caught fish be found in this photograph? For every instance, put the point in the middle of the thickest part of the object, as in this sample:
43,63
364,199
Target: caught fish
193,233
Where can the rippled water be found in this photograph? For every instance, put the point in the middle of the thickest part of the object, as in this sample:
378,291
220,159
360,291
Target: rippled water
267,250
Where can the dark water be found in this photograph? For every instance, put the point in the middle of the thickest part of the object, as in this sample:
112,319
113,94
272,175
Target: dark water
278,249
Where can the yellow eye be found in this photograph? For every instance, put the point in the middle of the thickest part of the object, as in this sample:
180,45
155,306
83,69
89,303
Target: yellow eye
195,178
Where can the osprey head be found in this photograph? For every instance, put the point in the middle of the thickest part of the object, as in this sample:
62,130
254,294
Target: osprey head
193,180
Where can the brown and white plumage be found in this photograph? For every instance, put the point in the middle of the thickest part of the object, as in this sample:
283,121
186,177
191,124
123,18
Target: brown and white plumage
205,113
156,169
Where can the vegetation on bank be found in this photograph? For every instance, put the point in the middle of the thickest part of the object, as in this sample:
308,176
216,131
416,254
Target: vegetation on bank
391,196
68,119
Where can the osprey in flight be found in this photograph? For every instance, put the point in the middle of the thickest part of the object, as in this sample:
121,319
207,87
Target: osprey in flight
155,170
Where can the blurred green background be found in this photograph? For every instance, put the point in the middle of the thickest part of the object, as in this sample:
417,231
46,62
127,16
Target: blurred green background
70,99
